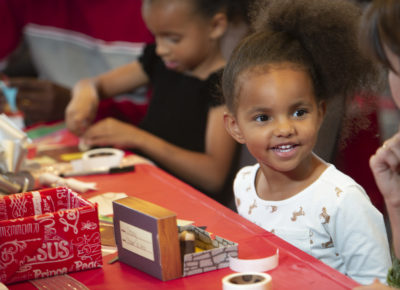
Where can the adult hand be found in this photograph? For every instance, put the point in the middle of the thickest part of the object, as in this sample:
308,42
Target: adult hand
82,108
385,166
40,100
112,132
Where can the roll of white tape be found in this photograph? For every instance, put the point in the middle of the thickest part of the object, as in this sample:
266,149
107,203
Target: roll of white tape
254,265
248,281
102,158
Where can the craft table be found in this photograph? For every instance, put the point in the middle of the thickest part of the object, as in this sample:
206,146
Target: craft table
296,270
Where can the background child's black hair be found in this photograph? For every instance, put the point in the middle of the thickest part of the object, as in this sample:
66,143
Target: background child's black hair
318,35
236,10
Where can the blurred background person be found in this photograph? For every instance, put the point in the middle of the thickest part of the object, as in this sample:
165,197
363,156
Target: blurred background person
48,45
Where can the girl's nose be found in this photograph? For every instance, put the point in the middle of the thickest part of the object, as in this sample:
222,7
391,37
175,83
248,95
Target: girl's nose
161,47
284,128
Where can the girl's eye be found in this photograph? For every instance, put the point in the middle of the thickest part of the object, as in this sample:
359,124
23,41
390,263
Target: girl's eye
174,39
300,113
262,118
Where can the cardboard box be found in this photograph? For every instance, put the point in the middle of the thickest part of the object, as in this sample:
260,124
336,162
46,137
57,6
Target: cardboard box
46,233
147,239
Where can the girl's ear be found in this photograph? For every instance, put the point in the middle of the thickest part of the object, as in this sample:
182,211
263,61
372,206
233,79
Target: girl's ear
232,127
321,112
322,109
219,24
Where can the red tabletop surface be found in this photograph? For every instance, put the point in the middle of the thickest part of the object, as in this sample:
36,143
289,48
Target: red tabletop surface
296,270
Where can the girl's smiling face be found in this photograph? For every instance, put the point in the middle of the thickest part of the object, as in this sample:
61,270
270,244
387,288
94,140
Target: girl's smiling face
277,116
183,38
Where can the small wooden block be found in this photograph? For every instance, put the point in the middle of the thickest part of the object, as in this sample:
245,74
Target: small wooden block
147,237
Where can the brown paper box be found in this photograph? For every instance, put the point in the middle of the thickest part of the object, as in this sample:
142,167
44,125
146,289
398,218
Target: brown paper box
147,237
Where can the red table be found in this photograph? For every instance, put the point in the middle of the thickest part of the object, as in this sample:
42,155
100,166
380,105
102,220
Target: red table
296,270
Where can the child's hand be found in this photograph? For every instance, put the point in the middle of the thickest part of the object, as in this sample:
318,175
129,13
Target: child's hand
385,166
112,132
82,109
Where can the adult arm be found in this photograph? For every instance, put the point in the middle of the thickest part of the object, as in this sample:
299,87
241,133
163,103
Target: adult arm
206,170
40,100
385,166
86,94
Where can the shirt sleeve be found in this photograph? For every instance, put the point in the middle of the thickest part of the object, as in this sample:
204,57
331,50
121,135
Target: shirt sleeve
393,277
359,235
148,60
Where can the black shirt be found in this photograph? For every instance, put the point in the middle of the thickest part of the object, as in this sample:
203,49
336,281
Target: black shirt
179,104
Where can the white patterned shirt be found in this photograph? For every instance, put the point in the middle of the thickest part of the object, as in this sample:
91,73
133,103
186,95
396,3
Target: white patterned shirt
332,220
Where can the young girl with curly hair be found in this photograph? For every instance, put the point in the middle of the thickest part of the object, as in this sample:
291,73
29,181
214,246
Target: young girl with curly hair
276,86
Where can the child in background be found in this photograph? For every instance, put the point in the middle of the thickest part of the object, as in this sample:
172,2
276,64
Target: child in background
183,130
276,85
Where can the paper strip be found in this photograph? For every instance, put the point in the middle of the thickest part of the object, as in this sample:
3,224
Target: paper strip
74,184
37,200
254,265
10,130
104,201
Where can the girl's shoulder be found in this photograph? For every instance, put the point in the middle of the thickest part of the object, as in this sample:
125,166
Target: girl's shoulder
247,171
332,177
339,187
245,177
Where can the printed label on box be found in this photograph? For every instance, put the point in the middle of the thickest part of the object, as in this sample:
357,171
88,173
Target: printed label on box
137,240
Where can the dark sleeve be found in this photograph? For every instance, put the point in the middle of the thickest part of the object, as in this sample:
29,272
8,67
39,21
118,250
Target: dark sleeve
148,59
393,277
215,89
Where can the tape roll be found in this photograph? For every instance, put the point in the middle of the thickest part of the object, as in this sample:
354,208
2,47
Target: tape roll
102,158
247,280
254,265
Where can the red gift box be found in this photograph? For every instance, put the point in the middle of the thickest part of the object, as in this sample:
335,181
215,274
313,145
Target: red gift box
46,233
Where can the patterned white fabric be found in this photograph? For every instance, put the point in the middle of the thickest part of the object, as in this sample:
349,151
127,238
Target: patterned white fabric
332,220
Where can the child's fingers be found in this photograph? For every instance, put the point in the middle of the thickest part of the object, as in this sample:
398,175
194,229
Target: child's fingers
76,125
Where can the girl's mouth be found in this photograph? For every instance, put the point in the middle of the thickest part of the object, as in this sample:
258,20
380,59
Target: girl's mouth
171,64
284,148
